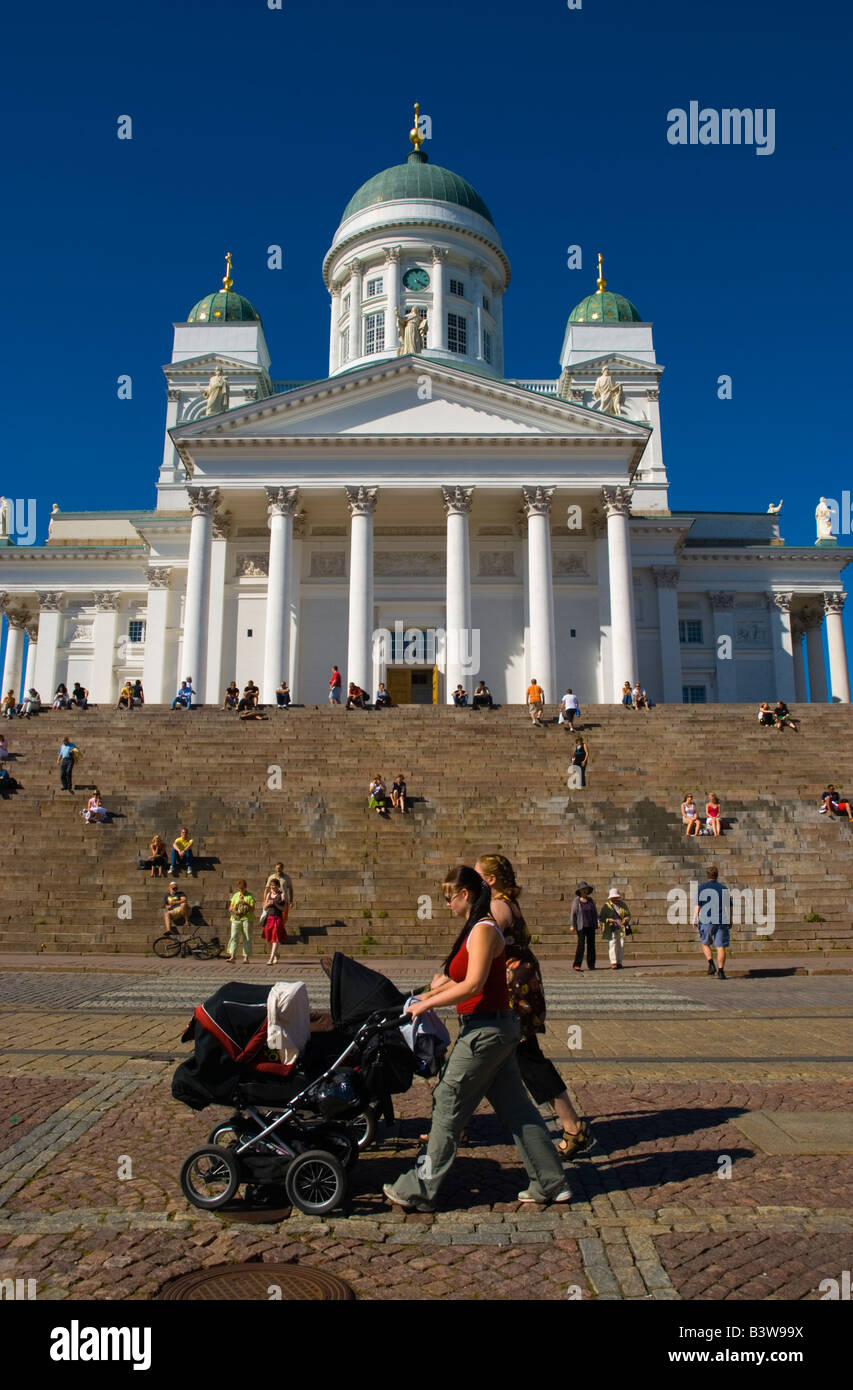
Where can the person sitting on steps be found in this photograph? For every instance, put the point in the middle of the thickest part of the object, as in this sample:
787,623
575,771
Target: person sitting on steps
483,697
182,853
176,909
232,696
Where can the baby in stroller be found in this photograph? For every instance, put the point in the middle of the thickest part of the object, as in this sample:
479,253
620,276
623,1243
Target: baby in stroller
306,1095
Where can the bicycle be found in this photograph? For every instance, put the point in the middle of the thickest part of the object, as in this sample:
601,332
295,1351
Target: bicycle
174,943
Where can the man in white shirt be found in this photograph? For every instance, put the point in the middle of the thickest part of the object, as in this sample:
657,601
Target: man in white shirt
569,711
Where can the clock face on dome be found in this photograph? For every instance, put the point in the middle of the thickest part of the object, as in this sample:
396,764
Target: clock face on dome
416,279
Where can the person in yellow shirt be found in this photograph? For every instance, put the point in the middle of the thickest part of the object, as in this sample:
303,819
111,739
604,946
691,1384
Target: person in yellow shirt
242,909
535,702
182,852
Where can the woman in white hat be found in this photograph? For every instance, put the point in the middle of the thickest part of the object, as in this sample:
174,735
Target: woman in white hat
615,922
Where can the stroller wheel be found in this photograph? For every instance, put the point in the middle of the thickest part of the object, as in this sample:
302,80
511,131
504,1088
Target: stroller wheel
315,1182
364,1127
210,1177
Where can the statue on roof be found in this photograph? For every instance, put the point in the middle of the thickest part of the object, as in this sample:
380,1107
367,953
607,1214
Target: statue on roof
774,511
823,518
216,393
607,393
5,517
412,332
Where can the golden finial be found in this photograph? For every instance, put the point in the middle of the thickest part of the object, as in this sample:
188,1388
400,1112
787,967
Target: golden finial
227,282
414,134
600,282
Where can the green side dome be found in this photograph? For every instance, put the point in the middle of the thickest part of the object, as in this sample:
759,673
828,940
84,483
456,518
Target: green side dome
223,306
417,178
605,307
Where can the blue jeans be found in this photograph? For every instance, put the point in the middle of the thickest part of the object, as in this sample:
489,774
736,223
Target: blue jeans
178,861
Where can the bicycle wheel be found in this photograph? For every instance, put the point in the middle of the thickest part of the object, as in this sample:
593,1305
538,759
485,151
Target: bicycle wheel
210,1177
206,950
166,947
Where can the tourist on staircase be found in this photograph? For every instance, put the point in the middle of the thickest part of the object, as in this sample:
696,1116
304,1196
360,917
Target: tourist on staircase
9,707
627,695
335,684
535,702
125,699
95,809
569,710
176,909
378,796
182,853
527,999
714,813
580,757
690,816
483,1062
282,696
241,906
483,697
232,696
157,859
584,921
274,918
62,700
80,696
460,697
712,916
784,718
250,698
285,884
398,793
383,699
68,755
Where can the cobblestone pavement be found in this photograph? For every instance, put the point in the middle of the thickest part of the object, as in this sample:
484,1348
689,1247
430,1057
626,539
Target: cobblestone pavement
674,1203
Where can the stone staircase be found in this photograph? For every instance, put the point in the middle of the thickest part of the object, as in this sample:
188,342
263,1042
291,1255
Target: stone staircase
481,782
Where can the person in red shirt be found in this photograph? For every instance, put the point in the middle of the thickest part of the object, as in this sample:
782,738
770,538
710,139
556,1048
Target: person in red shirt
335,687
483,1062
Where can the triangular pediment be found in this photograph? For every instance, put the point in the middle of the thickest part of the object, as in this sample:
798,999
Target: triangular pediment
621,361
411,397
207,362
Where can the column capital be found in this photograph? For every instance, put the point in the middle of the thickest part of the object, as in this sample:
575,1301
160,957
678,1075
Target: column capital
281,501
222,526
362,500
18,617
392,254
439,254
107,601
537,500
617,500
798,627
33,632
666,577
652,394
158,576
203,500
722,602
834,602
174,394
356,267
780,600
457,499
50,602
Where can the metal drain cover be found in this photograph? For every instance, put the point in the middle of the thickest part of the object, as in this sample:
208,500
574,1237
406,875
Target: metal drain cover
257,1282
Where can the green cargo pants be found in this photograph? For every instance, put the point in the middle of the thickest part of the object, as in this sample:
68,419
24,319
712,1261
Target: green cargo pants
483,1064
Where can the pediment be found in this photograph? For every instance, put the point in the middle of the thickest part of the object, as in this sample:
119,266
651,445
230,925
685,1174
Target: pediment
415,398
624,363
206,362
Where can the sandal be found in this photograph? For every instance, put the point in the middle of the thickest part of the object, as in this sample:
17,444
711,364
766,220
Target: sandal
573,1144
463,1138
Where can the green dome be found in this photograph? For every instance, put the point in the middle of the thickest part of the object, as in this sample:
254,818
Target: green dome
604,307
417,178
223,306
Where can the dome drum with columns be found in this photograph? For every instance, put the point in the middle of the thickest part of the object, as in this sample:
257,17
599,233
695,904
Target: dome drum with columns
417,516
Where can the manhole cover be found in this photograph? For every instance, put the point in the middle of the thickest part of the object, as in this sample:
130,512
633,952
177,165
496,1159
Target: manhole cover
258,1282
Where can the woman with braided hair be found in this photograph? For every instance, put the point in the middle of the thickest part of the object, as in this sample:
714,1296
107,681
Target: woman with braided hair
527,1000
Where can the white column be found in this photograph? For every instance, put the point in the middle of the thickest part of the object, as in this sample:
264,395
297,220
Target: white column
783,651
457,505
362,504
214,688
623,640
542,657
102,685
12,672
202,505
32,653
666,580
438,317
723,605
156,629
799,664
818,694
838,674
391,275
355,327
335,330
49,628
476,268
295,606
282,503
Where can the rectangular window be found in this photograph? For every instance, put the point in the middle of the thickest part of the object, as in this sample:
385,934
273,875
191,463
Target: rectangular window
486,304
345,345
690,632
345,306
136,631
693,695
487,346
374,333
457,334
457,287
374,287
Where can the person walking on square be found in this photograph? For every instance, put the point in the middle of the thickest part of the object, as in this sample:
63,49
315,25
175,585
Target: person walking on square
66,760
335,687
241,906
535,702
584,921
712,916
527,1000
482,1064
615,921
275,915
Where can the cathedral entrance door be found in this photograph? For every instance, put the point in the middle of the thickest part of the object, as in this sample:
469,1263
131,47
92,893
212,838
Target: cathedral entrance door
398,683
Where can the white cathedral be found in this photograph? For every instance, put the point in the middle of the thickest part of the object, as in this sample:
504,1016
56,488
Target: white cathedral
416,507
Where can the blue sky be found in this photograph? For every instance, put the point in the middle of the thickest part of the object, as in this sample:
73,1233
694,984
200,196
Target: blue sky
254,126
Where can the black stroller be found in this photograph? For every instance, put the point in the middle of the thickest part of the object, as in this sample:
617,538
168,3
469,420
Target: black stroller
299,1128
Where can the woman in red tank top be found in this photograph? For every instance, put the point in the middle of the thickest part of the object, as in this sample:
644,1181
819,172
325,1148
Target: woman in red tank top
483,1062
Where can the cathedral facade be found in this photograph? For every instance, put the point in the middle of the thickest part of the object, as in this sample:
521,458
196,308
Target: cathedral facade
415,516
